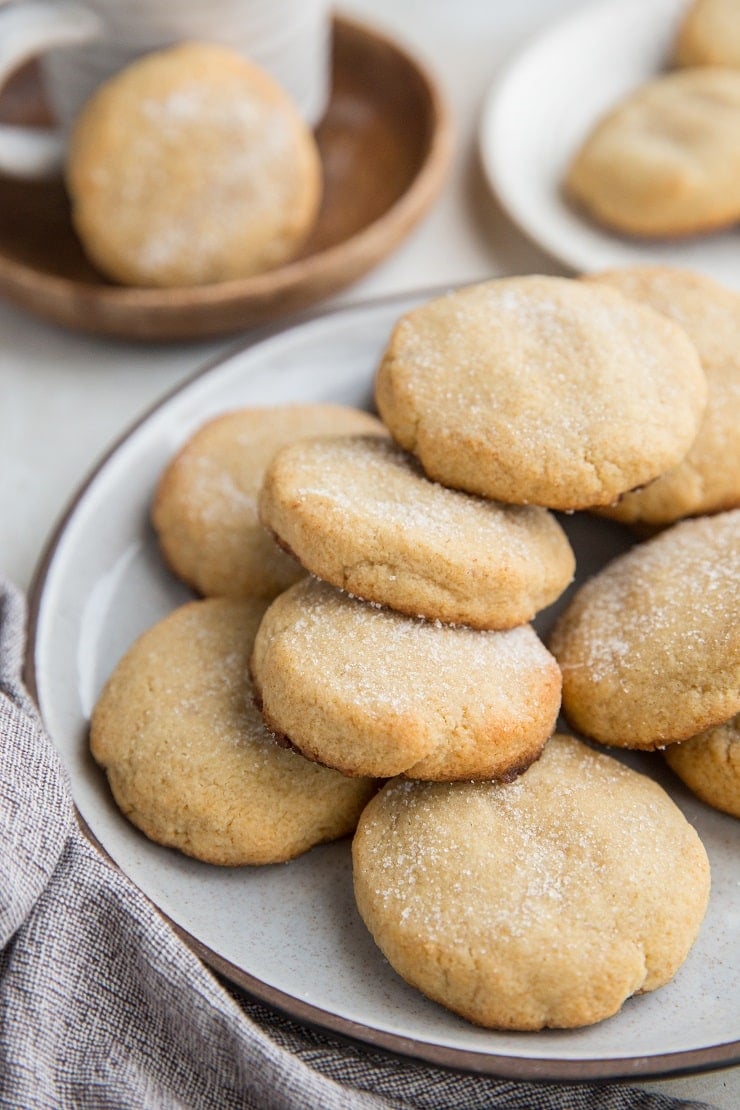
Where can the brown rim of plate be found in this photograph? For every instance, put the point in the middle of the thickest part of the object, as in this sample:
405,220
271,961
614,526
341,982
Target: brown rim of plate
385,143
533,1069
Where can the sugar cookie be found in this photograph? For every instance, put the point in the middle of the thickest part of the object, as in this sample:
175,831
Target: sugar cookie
544,902
358,512
191,166
708,479
709,34
709,764
372,692
187,756
205,506
666,160
650,647
541,390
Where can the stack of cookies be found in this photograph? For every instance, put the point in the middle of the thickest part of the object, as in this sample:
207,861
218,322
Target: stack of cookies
408,650
188,758
519,878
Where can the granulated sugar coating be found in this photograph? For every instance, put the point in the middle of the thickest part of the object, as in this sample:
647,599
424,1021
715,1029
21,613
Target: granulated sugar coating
541,390
205,507
650,647
544,902
372,692
187,755
359,513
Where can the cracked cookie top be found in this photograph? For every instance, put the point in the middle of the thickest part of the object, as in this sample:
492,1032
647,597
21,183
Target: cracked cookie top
543,902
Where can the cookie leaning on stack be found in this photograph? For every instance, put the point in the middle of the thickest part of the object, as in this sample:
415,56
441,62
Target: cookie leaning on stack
358,512
373,692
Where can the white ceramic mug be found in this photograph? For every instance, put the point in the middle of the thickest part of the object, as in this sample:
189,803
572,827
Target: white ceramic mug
83,42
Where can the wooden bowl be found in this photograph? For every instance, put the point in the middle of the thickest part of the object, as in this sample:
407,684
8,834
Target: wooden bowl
385,146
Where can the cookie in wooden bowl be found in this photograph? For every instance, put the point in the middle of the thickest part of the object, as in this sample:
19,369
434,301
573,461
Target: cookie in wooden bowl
191,166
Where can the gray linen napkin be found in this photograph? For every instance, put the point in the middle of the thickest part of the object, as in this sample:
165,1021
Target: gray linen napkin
101,1005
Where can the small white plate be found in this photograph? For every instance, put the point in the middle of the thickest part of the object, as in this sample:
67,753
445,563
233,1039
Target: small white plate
290,934
543,105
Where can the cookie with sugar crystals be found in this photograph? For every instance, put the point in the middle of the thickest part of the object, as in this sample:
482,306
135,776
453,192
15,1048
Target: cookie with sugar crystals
372,692
541,390
205,507
188,758
707,480
709,34
665,161
545,902
358,512
650,646
709,764
191,166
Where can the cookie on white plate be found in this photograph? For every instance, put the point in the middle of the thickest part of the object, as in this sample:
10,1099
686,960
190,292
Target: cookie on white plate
545,902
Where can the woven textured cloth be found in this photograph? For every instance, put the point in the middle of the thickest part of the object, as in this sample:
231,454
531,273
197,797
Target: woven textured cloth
101,1004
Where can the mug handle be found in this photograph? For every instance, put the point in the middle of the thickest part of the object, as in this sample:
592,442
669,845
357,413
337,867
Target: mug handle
26,30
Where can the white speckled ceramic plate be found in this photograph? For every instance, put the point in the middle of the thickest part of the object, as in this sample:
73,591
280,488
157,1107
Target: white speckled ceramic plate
290,934
545,102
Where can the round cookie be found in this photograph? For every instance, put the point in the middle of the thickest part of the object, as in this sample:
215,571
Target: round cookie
188,758
709,764
205,507
371,692
541,390
709,34
666,160
542,903
358,512
650,646
191,166
708,479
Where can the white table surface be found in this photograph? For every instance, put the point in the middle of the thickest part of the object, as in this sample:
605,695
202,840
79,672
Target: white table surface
64,398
